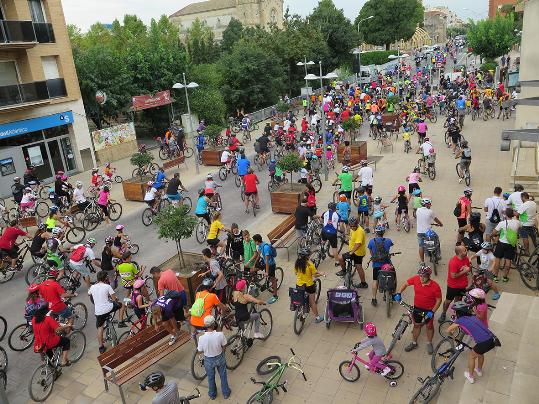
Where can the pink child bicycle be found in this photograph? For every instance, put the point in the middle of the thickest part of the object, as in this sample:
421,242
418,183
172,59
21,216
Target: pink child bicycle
349,370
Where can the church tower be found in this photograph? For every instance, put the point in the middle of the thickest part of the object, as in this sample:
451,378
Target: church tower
260,12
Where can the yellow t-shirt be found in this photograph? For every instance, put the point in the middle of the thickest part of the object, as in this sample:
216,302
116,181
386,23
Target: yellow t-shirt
215,228
406,135
307,277
488,92
358,236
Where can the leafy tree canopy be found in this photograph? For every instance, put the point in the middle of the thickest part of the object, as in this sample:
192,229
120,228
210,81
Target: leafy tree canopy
231,34
492,38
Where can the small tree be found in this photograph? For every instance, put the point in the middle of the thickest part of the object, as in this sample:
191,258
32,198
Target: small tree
282,107
140,160
291,163
350,125
175,224
212,133
492,38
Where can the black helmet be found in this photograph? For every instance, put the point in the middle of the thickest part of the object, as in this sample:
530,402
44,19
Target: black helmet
206,283
475,217
304,252
154,379
462,308
519,188
201,191
332,206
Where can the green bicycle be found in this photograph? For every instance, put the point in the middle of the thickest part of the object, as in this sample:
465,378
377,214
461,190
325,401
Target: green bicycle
272,364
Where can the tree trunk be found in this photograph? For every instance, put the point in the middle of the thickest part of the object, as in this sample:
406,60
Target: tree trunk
180,252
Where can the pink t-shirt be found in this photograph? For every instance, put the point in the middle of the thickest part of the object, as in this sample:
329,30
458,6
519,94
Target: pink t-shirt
464,202
413,178
481,311
103,197
421,127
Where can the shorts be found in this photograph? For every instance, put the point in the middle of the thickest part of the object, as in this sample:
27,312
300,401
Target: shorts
81,268
411,187
205,216
264,150
178,315
331,237
455,138
368,189
465,164
421,237
301,232
526,231
271,271
363,213
462,222
213,241
309,289
105,209
451,293
419,314
482,348
236,255
402,209
13,252
357,259
251,193
102,318
504,250
348,194
64,344
175,197
489,226
65,313
375,272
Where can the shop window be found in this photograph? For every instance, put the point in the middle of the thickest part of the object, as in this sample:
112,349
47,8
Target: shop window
21,140
56,131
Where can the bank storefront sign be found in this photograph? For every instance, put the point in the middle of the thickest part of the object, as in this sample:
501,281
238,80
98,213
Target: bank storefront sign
19,128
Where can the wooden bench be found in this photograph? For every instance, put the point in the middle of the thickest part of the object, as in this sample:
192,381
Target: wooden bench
175,162
130,358
284,235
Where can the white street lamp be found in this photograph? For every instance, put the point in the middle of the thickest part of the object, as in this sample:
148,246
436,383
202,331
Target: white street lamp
185,86
305,63
364,19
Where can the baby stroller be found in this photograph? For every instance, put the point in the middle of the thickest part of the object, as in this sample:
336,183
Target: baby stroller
343,305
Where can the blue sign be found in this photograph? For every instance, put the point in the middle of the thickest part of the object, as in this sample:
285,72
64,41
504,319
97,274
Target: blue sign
19,128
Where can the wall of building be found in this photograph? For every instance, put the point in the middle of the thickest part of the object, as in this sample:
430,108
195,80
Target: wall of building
217,20
493,6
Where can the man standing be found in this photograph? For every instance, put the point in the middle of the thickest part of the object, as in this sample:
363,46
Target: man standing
266,253
526,215
379,248
213,344
167,281
427,299
457,278
465,208
495,208
425,216
357,250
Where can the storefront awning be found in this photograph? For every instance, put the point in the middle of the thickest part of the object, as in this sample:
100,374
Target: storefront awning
161,98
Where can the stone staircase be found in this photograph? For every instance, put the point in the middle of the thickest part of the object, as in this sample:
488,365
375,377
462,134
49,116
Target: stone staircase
525,168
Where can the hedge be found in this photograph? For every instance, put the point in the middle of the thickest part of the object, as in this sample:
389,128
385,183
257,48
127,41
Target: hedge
488,65
376,57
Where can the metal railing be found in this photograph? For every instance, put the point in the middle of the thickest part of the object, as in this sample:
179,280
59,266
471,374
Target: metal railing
17,32
36,91
44,32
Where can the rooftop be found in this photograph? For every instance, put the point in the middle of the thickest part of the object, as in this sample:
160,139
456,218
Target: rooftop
204,6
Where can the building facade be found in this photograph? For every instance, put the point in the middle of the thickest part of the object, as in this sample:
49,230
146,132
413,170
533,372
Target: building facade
42,117
435,23
452,18
495,5
218,13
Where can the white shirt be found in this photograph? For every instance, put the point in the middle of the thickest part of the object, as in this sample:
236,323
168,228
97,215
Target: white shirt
29,197
212,343
426,148
514,201
366,175
528,211
225,155
334,219
424,216
101,293
494,202
78,195
303,172
150,195
511,224
485,259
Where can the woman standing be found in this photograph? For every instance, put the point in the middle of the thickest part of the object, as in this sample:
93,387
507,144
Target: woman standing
305,274
240,301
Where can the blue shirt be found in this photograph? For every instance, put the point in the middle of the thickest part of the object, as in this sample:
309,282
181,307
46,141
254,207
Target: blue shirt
343,209
159,179
461,104
363,203
265,251
243,166
372,247
200,142
202,206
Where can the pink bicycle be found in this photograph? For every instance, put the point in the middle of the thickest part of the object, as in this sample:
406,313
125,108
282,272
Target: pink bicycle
349,370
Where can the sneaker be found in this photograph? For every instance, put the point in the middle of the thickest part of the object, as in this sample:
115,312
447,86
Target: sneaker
318,319
479,372
258,335
386,371
217,209
505,279
442,318
102,349
363,285
273,299
374,302
341,272
122,324
411,346
495,278
172,341
469,377
460,180
429,348
495,296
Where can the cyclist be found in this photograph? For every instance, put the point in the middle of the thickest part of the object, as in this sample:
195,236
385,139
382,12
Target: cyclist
172,192
53,218
425,149
8,241
79,198
251,180
40,237
214,273
210,301
346,179
234,243
62,187
46,338
366,175
151,196
55,252
378,348
28,201
457,279
460,104
200,141
160,179
107,255
305,272
210,187
213,234
427,299
379,248
364,204
103,201
343,210
33,302
264,144
357,250
30,177
53,293
526,215
243,165
203,202
422,130
82,253
484,339
402,205
240,301
165,393
105,303
120,240
226,159
465,154
266,254
169,308
413,179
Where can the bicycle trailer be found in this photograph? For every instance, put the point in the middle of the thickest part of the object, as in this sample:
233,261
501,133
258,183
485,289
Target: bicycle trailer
343,305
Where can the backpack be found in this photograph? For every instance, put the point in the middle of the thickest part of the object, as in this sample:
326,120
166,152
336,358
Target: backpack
380,254
78,253
329,228
197,309
495,217
257,146
311,199
458,209
273,250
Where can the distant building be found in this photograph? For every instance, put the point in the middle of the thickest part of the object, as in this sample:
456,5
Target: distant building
452,18
218,13
435,23
418,40
495,5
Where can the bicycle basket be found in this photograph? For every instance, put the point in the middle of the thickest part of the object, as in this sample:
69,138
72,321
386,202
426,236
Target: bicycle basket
431,158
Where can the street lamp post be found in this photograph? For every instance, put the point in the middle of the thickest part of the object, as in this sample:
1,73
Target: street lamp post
305,63
358,53
364,19
185,86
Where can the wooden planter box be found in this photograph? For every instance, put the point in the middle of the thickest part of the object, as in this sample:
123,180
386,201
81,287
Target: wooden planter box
188,275
134,189
287,197
359,152
29,221
174,163
211,157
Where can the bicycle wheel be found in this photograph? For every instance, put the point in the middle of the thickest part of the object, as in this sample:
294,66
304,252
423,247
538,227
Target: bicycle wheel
427,392
125,336
153,168
388,299
3,380
188,152
3,328
197,365
279,275
397,370
318,284
201,231
187,202
77,347
266,323
355,197
234,352
529,275
317,185
265,396
299,320
349,371
432,173
163,154
433,261
118,179
91,220
268,365
3,359
397,334
80,313
406,225
441,353
147,217
21,337
42,209
41,383
68,284
237,181
115,211
467,178
5,275
44,193
459,174
75,235
223,173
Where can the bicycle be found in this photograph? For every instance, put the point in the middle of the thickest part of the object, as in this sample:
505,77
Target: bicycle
39,210
273,184
6,272
3,327
403,323
95,218
75,234
70,281
299,301
138,325
324,251
464,173
240,342
272,364
431,385
43,378
349,370
149,169
165,202
251,201
427,165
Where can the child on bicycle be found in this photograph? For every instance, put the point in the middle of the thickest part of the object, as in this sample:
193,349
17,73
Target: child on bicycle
137,299
379,213
486,263
402,204
151,196
33,302
363,208
416,197
108,171
28,201
343,209
378,349
96,178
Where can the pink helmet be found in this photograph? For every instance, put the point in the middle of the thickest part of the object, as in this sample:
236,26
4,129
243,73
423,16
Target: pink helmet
64,177
401,188
370,329
138,284
241,284
387,267
477,293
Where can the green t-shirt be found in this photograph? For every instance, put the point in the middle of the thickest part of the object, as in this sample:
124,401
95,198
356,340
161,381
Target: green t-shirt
346,181
127,271
416,202
278,172
249,249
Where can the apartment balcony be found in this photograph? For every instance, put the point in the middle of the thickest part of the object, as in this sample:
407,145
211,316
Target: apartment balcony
24,34
31,94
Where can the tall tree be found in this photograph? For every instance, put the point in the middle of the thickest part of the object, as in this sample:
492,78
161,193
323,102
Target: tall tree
200,43
392,20
337,32
492,38
231,34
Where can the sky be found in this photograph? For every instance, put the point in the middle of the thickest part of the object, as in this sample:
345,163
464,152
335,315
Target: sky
85,13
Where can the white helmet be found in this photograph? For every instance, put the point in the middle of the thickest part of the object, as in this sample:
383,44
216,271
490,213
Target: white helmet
56,230
79,184
425,201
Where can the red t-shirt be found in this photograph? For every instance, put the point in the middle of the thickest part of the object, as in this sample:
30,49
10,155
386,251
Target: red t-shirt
51,292
455,265
44,335
169,281
233,143
7,241
250,182
425,296
465,205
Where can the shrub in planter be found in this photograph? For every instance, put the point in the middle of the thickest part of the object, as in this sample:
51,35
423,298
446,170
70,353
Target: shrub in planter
290,163
140,160
212,133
